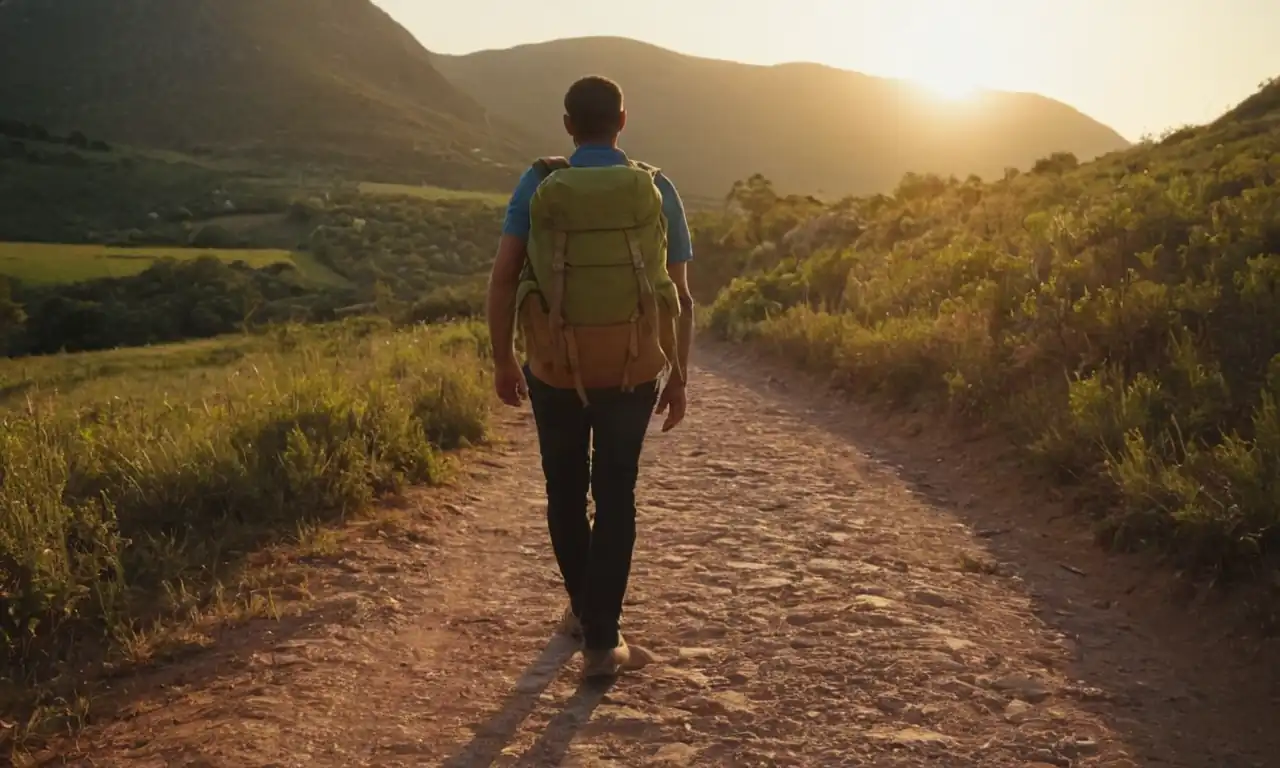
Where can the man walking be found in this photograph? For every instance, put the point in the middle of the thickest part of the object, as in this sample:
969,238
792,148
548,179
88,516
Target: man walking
593,266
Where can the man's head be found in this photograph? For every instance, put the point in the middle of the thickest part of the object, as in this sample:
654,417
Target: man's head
593,111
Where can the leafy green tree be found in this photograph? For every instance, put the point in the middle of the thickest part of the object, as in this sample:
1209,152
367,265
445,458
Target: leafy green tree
756,198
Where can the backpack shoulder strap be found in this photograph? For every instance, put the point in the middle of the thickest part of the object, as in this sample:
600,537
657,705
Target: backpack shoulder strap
545,166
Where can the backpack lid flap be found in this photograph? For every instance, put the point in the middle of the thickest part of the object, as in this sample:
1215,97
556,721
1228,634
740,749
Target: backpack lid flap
594,199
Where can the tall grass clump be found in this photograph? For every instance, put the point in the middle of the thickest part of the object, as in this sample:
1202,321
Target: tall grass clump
119,492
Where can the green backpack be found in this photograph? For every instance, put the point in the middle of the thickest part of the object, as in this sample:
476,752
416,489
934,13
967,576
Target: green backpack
597,267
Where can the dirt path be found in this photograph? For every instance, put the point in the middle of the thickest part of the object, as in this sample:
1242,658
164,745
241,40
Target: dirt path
809,605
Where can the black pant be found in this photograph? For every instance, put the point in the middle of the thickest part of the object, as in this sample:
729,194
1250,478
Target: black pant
594,447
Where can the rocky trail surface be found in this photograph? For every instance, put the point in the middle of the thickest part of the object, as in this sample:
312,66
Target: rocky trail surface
819,586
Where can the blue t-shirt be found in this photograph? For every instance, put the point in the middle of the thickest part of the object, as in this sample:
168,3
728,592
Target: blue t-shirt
679,243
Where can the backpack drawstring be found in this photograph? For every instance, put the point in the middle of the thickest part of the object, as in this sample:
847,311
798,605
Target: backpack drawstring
646,307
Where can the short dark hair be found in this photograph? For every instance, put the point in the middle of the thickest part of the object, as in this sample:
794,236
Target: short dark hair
594,107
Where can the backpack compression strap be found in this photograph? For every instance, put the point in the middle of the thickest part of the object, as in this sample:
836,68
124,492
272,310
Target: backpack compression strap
563,338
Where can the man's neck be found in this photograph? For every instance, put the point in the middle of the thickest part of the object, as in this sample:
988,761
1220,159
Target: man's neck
596,144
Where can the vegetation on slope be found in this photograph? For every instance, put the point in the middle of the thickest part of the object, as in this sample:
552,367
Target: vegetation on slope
408,245
308,248
1122,316
335,82
169,301
134,484
807,127
51,192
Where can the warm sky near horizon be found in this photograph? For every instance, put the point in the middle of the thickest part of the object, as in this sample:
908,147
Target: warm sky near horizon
1137,65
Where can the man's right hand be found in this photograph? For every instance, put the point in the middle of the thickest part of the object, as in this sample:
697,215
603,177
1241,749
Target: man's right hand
673,402
508,381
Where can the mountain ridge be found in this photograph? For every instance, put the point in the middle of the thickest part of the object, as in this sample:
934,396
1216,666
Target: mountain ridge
897,126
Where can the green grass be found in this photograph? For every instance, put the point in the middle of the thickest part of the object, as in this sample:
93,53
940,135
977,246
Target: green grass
135,485
311,267
430,193
46,263
63,374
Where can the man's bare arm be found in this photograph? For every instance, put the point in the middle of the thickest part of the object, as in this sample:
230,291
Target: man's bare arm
684,328
500,308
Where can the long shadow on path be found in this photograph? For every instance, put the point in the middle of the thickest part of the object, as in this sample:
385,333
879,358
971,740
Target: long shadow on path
553,744
498,732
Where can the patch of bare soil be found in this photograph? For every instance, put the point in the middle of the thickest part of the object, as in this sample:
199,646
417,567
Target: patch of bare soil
821,585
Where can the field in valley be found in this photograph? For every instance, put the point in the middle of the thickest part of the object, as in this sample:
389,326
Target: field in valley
45,263
427,192
53,263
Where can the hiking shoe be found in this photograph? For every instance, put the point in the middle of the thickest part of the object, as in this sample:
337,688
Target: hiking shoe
606,662
570,624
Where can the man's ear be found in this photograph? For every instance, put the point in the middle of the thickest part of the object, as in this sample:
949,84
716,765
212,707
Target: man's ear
622,121
568,125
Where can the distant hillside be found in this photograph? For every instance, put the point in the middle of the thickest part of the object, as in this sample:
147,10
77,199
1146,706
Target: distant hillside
334,81
807,127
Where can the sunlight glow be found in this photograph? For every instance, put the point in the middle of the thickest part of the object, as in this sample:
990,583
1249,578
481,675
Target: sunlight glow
950,88
946,50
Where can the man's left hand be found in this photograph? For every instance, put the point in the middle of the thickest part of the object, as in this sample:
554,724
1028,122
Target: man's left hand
673,403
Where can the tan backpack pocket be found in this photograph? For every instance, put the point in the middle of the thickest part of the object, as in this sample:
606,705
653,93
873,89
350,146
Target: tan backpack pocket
619,355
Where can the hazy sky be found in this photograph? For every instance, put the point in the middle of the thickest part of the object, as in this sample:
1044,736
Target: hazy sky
1138,65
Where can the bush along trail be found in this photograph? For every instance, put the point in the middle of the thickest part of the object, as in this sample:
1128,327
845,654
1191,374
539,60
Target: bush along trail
814,588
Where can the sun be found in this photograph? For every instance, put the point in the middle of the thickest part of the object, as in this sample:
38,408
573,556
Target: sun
948,86
945,51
